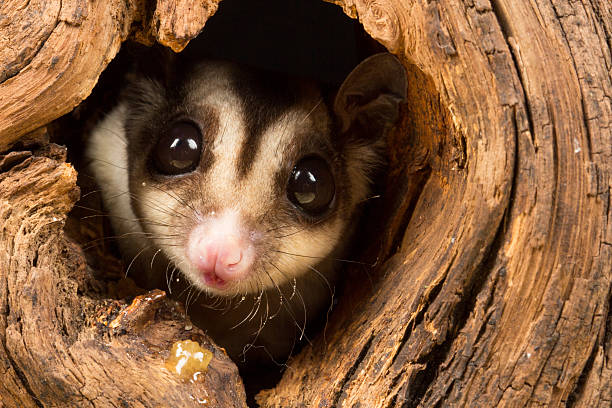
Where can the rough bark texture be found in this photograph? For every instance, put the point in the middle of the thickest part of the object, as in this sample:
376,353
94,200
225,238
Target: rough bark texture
499,293
53,51
62,342
495,291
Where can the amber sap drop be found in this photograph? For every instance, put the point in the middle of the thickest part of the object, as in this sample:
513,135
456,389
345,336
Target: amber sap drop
188,359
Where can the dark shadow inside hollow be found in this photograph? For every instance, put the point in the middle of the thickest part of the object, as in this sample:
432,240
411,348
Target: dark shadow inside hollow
302,38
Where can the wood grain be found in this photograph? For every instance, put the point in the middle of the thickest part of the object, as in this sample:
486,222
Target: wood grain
499,293
52,52
492,284
63,340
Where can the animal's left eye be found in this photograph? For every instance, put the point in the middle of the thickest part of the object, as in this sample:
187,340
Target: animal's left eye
311,186
178,151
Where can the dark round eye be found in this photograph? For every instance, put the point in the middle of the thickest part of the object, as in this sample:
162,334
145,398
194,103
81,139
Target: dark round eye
311,185
178,151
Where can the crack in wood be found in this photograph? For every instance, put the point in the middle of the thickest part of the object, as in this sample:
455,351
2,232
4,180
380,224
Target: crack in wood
20,65
22,377
438,355
347,377
604,338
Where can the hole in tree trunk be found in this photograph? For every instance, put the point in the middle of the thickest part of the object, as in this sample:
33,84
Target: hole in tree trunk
305,39
490,239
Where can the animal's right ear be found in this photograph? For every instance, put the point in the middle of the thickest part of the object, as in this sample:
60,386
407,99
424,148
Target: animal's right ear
370,96
148,80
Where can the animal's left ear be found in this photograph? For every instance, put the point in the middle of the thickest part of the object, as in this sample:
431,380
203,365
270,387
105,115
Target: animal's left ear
369,97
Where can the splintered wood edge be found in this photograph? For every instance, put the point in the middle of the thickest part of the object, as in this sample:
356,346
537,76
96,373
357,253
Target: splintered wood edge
494,296
61,340
60,56
463,283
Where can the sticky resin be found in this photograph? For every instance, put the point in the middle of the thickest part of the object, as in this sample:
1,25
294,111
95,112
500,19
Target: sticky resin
188,360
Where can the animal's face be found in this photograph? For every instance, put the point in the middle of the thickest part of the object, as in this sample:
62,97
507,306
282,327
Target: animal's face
241,179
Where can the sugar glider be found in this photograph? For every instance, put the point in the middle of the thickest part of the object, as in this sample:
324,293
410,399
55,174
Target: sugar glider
237,189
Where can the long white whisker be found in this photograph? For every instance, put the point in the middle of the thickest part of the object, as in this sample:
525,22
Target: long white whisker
312,110
288,307
324,257
133,259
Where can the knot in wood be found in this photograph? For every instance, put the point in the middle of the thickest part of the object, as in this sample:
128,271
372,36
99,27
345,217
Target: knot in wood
381,20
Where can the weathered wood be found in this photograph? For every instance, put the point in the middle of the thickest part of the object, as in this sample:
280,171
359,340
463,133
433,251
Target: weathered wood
494,281
62,339
53,51
499,293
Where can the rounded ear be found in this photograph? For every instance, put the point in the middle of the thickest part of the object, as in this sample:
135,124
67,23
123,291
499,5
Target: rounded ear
371,94
149,75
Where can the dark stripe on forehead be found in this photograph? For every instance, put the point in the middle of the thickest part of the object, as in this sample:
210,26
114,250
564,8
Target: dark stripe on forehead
264,97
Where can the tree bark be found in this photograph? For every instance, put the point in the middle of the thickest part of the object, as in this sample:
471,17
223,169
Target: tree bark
494,276
63,341
53,51
499,292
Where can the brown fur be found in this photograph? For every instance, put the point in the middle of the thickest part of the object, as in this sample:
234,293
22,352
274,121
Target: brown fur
253,135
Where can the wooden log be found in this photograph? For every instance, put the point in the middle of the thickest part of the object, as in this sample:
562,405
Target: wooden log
63,341
494,281
499,292
53,51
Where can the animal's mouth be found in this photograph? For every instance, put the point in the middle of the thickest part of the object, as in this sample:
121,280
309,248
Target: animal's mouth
213,281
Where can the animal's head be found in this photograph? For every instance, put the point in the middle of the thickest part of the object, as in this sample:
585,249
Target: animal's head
245,180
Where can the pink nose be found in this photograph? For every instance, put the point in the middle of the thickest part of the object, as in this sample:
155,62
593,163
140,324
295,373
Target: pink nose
220,259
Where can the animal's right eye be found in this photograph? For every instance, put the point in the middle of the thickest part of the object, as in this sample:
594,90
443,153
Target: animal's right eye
179,150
